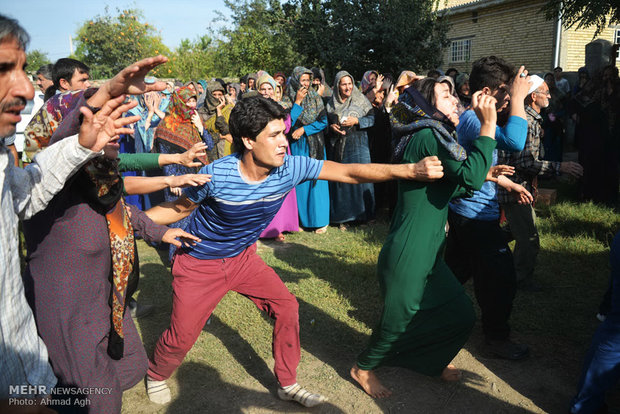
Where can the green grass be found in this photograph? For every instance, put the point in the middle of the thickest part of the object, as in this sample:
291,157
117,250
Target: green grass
333,277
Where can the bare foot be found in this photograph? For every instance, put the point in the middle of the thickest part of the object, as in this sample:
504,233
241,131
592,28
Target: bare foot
280,237
369,382
451,373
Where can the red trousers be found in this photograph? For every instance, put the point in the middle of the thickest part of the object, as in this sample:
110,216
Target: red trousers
198,287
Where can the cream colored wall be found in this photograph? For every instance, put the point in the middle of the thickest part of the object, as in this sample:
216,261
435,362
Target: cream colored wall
573,52
516,31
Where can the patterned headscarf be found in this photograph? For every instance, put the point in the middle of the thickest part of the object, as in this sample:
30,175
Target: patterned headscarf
366,83
312,103
355,105
405,79
45,122
266,78
413,113
177,128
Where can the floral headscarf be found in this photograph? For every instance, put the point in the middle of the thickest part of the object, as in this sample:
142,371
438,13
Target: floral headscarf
366,83
177,128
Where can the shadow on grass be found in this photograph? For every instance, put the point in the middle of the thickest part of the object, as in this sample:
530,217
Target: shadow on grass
243,352
221,397
357,282
557,323
331,341
155,289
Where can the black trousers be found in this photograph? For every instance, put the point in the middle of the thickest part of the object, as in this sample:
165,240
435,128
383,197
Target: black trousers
477,249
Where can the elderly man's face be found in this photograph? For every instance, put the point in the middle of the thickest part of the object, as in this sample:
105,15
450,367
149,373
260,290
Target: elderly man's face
43,83
15,87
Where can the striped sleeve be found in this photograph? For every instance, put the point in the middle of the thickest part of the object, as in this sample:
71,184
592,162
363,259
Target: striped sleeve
304,169
199,193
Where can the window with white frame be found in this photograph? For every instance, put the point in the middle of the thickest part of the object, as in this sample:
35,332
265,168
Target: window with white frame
617,41
460,50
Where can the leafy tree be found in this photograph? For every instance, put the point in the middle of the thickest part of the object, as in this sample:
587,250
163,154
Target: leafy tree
109,43
35,59
258,38
192,60
357,35
584,13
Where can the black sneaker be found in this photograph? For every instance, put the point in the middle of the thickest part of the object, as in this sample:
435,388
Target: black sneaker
506,349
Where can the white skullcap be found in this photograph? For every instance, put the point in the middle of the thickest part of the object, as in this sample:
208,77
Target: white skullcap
536,82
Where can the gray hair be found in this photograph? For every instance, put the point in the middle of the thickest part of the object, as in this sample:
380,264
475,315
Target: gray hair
9,28
46,71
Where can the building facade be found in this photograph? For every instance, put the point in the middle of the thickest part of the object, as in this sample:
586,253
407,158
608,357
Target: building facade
518,31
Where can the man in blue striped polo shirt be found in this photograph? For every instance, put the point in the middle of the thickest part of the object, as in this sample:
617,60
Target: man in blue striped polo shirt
229,213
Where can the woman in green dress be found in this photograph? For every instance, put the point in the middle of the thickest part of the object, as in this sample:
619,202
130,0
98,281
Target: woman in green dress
427,317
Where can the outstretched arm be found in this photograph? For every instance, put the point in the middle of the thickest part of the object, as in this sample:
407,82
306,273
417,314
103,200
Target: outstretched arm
147,185
129,81
187,158
428,169
173,211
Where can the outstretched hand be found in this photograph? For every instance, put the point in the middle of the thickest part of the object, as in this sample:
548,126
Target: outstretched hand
197,150
131,79
186,239
106,125
188,180
428,169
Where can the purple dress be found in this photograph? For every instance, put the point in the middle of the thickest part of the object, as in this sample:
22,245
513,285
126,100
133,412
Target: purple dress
67,284
287,218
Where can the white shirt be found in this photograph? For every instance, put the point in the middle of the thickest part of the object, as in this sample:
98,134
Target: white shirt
23,193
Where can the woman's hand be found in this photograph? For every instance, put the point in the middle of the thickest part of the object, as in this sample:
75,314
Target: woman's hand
521,194
197,122
187,180
188,157
392,98
350,121
148,102
336,128
321,89
298,133
186,239
301,94
221,106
